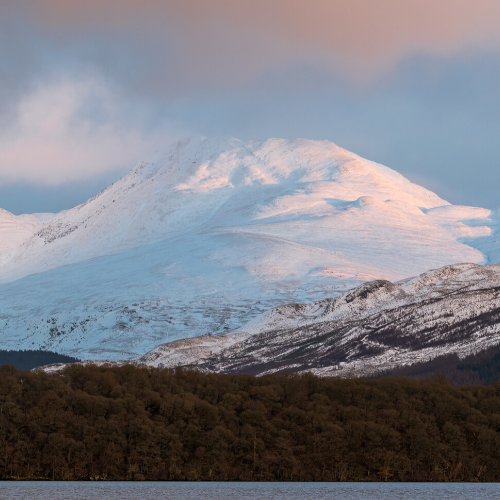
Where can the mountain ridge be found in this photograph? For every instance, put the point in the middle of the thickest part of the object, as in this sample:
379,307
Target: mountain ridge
209,234
375,327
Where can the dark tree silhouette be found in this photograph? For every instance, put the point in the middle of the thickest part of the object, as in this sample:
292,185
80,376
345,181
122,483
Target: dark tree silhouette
27,360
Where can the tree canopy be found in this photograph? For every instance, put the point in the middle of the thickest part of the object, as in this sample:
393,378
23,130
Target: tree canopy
90,422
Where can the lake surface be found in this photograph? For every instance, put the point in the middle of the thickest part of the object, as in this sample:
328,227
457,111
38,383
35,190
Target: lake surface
34,490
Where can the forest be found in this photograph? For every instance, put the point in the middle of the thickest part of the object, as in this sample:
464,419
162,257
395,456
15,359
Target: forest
140,423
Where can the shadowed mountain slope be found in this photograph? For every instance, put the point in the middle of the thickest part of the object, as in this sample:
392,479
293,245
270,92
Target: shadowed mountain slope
375,327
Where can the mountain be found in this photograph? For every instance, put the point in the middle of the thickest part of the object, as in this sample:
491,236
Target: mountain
15,230
209,234
375,327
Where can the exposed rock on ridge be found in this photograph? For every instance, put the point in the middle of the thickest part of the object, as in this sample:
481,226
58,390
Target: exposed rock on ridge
377,326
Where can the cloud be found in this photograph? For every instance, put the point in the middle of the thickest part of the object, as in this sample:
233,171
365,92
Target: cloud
360,37
67,130
171,49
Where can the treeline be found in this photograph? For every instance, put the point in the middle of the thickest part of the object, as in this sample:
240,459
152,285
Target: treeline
90,422
29,359
480,368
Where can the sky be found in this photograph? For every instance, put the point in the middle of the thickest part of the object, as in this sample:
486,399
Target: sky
90,88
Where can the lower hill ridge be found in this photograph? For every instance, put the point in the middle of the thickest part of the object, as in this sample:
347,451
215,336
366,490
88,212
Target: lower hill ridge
375,329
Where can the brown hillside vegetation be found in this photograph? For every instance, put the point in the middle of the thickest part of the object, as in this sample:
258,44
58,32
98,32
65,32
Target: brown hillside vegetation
131,422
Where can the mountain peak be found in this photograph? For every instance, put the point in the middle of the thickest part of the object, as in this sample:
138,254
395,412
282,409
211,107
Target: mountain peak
208,233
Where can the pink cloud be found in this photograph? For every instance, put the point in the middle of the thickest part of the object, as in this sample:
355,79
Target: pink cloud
359,32
48,142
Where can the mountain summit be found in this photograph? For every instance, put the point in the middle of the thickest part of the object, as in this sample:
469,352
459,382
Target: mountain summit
209,233
221,183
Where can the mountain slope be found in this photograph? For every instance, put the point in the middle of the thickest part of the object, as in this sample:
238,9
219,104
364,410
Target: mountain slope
209,234
375,327
17,229
203,184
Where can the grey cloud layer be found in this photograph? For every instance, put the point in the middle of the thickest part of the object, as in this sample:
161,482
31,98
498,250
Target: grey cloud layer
192,43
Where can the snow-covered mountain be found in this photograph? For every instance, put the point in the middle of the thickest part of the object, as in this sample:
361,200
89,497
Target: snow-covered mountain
209,234
15,230
377,326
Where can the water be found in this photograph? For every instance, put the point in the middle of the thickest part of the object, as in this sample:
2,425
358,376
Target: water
244,491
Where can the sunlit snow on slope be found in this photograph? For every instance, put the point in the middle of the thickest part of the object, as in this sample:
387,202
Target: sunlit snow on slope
207,235
17,229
